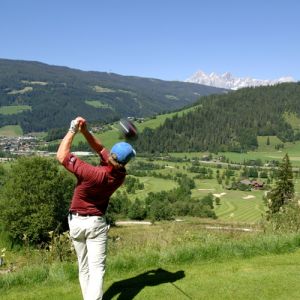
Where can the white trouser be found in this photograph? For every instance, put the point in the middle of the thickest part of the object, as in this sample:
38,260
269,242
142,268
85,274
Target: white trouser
89,236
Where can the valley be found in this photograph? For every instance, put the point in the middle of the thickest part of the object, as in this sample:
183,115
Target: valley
190,220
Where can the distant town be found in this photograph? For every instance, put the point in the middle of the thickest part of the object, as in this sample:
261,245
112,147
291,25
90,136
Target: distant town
22,145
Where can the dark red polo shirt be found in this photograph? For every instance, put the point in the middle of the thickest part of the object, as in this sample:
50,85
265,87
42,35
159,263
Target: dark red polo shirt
95,184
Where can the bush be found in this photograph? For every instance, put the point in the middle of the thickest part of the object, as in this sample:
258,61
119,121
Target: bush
286,220
161,210
35,199
137,210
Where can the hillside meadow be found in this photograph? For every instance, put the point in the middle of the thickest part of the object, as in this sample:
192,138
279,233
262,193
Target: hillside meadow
181,260
112,136
11,131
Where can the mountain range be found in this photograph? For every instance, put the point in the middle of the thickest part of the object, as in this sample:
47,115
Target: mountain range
228,81
38,96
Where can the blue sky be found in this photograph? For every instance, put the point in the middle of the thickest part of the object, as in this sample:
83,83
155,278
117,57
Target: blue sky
163,39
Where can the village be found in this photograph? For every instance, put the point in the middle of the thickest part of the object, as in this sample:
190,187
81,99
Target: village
21,145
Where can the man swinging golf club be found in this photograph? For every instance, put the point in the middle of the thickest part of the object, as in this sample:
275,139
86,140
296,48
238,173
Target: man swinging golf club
95,185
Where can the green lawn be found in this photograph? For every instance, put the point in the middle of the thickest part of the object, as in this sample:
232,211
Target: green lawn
268,152
98,104
236,206
274,277
13,109
241,206
11,130
152,184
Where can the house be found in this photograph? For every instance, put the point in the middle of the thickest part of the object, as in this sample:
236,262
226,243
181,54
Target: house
245,182
257,185
253,183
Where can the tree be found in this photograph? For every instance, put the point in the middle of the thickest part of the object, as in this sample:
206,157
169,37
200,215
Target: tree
284,190
161,210
208,200
137,210
35,199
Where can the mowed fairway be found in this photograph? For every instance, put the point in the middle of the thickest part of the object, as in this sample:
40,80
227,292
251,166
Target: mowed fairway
241,206
236,206
154,185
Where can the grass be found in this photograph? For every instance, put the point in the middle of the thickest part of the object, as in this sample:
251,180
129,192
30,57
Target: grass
11,130
273,277
98,104
100,89
269,277
178,260
34,82
154,185
293,120
22,91
234,207
268,152
264,152
13,109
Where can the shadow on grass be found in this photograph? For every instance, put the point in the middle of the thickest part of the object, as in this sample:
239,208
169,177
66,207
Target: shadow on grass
129,288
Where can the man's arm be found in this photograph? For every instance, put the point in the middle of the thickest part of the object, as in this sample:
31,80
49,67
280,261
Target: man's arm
65,146
91,139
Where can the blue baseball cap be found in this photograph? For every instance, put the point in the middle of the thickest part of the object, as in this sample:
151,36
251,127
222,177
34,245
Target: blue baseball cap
123,151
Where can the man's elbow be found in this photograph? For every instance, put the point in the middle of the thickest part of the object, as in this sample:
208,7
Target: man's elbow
60,157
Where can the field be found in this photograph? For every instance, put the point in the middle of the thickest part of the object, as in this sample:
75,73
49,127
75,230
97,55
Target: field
265,153
11,130
176,260
97,104
267,277
13,109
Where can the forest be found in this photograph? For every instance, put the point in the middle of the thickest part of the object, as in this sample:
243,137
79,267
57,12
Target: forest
229,122
55,95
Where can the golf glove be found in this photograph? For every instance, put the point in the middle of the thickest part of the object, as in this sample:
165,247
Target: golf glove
74,126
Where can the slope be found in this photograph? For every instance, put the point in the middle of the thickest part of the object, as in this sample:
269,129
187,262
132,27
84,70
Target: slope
38,96
230,122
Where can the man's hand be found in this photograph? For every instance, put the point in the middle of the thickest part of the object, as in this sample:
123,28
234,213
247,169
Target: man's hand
78,124
74,126
82,126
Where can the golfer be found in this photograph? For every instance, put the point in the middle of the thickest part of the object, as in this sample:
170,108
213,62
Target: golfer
95,185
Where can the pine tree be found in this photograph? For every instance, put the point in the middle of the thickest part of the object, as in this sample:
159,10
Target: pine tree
284,190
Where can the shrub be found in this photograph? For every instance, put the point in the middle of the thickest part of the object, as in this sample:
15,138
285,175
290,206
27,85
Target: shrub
137,210
161,210
286,220
34,199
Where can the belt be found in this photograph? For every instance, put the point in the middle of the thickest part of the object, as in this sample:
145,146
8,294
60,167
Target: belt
74,213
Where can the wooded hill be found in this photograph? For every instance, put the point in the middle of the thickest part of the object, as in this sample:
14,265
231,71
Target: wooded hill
230,122
46,96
